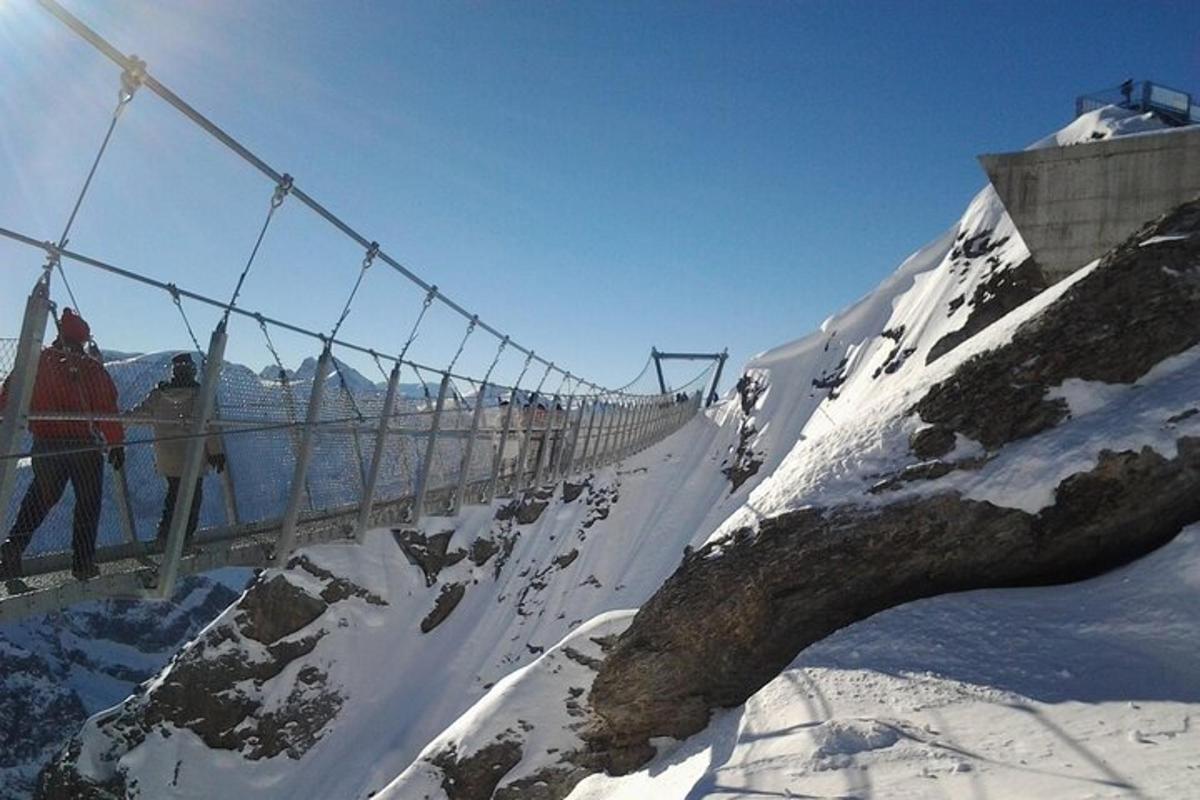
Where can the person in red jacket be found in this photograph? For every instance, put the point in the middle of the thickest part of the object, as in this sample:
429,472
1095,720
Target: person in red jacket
67,451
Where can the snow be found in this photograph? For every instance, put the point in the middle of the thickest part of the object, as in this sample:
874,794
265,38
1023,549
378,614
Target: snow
1082,691
1050,692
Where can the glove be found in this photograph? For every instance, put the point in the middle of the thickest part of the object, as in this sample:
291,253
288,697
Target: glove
217,461
116,457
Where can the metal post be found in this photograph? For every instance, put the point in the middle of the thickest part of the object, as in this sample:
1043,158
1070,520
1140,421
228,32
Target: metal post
287,531
571,458
618,452
229,491
547,440
646,434
627,433
193,463
658,368
612,417
430,448
557,461
381,437
20,386
498,457
523,453
712,393
580,455
639,430
464,468
125,508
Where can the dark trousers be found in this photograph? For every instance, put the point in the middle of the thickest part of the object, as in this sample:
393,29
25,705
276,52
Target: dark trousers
164,524
52,470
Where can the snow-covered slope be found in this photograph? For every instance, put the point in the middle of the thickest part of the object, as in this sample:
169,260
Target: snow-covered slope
521,583
371,678
1085,690
61,668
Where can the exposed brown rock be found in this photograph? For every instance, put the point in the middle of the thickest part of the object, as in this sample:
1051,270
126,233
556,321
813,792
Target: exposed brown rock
551,783
527,508
571,491
738,611
482,550
336,589
993,298
276,608
1140,306
447,601
933,441
476,776
430,553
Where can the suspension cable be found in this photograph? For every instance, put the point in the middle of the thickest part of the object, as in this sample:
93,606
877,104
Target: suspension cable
638,377
346,389
151,83
470,329
516,387
412,335
174,290
282,189
368,259
95,263
499,352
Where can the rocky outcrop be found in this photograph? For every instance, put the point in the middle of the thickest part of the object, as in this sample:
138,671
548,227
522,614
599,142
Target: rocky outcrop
744,460
1002,292
225,687
1140,306
431,553
58,669
739,610
475,777
449,598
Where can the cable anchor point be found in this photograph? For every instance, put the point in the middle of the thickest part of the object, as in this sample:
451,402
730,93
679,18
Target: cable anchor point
132,78
282,190
369,258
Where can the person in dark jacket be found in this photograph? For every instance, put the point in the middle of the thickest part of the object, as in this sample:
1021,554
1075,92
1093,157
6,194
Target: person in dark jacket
169,407
67,450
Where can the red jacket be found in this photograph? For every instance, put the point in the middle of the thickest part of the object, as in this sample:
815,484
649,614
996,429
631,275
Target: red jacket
71,382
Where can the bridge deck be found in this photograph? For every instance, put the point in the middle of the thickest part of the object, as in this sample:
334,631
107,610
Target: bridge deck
131,570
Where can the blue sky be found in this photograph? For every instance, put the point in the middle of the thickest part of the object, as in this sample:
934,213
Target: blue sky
592,178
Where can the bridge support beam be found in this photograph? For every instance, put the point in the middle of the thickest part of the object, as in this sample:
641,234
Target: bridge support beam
526,434
385,417
712,392
287,532
559,453
498,456
20,388
418,507
193,463
580,456
464,467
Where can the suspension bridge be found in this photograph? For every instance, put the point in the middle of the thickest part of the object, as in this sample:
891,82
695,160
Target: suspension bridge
308,456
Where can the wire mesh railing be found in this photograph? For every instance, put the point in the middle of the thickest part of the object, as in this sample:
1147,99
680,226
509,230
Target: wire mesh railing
149,461
479,442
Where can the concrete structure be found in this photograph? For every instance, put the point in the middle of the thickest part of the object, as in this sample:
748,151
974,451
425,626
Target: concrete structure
1072,204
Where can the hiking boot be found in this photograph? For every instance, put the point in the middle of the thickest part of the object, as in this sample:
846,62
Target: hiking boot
10,561
85,572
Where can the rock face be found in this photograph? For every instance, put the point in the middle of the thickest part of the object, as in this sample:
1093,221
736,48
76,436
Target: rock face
739,609
1139,307
58,669
215,686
